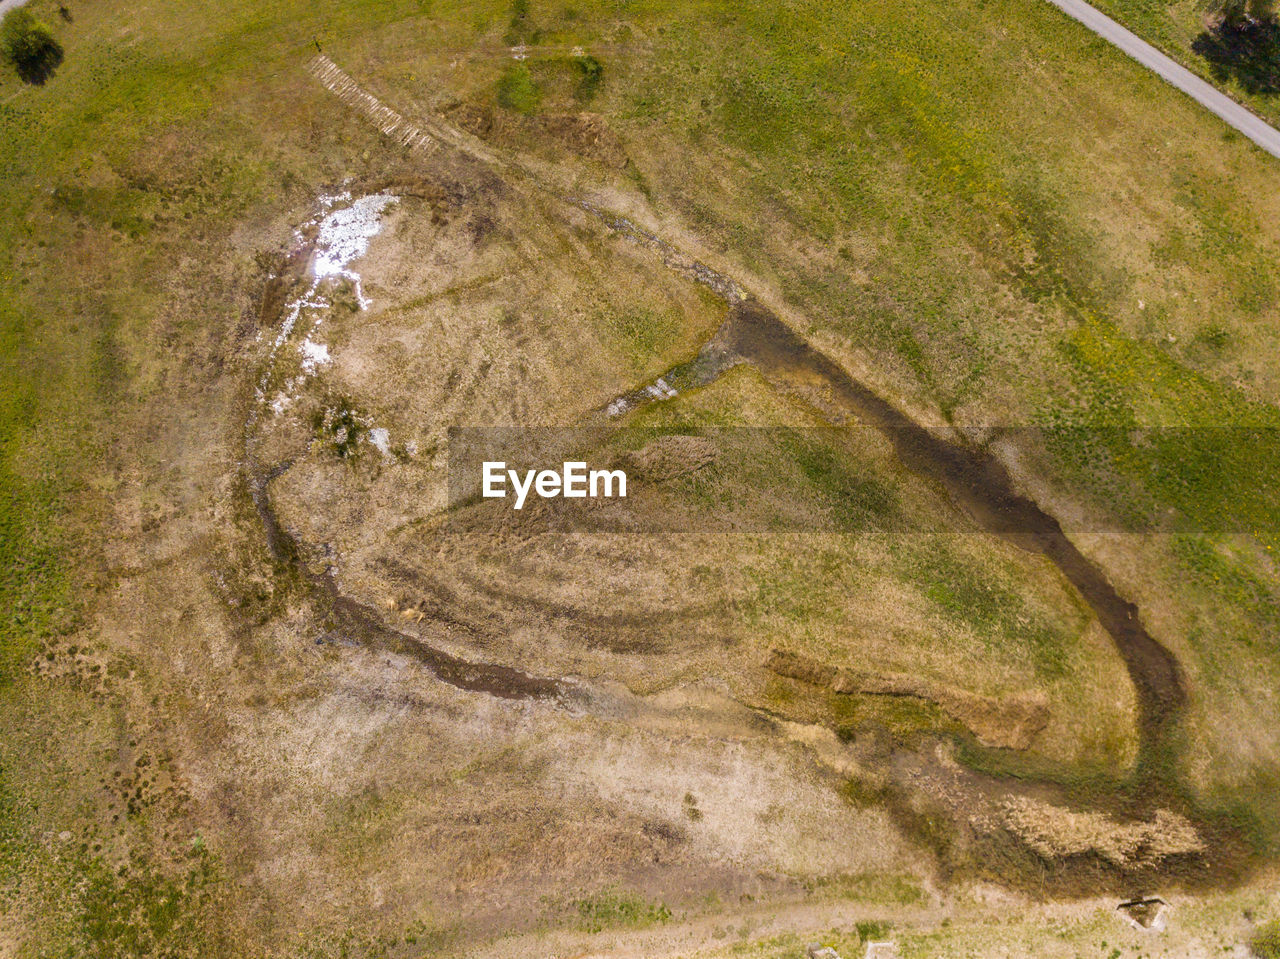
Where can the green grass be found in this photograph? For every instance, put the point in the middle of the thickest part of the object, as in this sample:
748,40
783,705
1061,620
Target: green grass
1209,478
590,75
876,887
855,500
143,912
517,91
1232,577
965,592
640,334
616,909
1265,942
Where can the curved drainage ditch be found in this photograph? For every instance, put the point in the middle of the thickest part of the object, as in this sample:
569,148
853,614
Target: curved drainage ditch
974,480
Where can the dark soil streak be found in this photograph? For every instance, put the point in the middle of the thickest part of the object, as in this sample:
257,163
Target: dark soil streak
504,682
979,483
974,479
354,618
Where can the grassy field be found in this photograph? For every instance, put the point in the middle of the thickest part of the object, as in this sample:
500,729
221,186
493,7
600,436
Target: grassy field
1245,65
125,180
801,539
985,212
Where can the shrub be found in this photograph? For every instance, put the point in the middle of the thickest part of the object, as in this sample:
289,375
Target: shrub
29,45
611,908
590,73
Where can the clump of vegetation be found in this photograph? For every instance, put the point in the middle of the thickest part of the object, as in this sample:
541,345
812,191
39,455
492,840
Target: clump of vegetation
610,909
1214,336
857,792
1244,44
590,72
691,807
29,45
340,427
517,91
641,334
517,32
1266,941
1239,14
1244,49
870,929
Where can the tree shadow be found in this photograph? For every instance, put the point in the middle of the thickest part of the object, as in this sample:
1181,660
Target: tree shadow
38,69
1248,54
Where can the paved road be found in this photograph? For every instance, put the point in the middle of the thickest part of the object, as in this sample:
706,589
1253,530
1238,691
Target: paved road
1208,96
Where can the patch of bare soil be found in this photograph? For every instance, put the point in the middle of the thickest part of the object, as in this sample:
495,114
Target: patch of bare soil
584,134
588,135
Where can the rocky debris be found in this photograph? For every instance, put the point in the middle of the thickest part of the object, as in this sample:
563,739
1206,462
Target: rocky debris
1150,915
1012,722
882,950
818,951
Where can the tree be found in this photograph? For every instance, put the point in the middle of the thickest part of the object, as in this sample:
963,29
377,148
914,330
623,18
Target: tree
1263,11
29,45
1241,14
